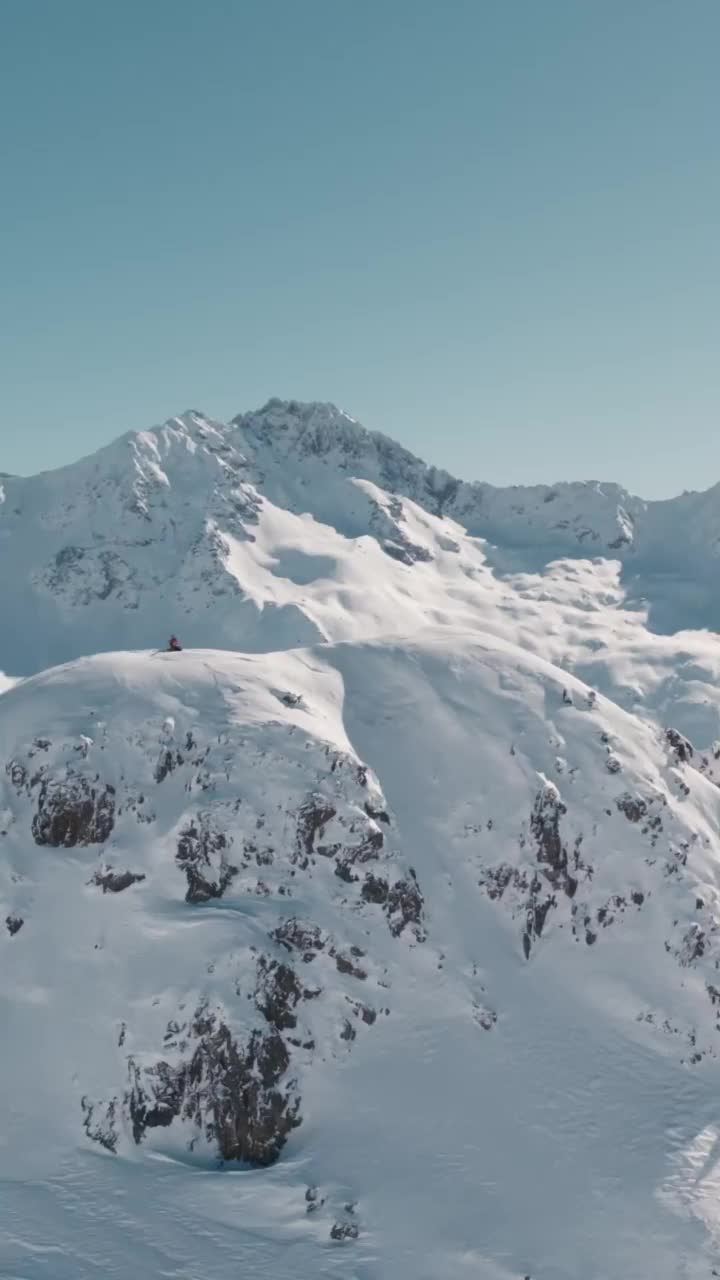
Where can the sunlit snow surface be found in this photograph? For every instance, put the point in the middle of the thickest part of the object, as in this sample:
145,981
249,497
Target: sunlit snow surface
533,1098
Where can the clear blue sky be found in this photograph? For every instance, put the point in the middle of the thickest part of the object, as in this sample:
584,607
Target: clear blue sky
489,228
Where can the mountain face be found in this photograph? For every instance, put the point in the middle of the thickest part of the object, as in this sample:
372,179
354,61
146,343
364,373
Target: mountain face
223,534
377,934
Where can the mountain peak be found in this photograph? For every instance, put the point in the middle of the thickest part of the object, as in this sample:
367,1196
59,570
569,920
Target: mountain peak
282,413
311,427
231,531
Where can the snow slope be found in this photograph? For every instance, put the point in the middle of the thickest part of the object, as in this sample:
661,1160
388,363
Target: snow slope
380,939
540,1096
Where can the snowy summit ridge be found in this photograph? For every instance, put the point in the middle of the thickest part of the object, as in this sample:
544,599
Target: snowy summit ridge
176,528
376,935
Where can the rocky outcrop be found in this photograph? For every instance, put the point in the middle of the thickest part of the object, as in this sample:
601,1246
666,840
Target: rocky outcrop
535,891
552,854
402,902
233,1094
111,881
308,941
404,907
344,1231
693,945
643,810
680,746
312,820
634,807
347,963
80,576
73,811
277,992
305,939
202,855
101,1124
367,849
386,524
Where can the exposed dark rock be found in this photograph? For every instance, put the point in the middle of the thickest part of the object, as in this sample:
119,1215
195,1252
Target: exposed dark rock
495,880
693,945
201,854
405,551
313,1200
634,808
301,1044
614,907
231,1093
18,775
681,746
313,817
115,881
344,1231
86,574
174,1035
536,915
377,815
405,906
375,889
348,1031
277,993
168,761
364,1011
293,700
158,1108
306,939
551,851
14,924
559,867
348,857
103,1131
73,812
348,966
344,871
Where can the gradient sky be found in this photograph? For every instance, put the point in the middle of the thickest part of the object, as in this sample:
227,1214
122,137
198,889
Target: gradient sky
489,228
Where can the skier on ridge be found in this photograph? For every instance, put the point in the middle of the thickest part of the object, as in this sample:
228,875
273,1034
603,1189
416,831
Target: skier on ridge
174,645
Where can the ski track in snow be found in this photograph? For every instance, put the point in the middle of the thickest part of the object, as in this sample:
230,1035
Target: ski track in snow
535,1089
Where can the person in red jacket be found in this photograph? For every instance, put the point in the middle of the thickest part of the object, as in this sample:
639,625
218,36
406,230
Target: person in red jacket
174,645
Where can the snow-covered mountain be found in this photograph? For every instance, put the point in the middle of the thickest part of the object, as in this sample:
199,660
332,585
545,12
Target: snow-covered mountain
291,525
377,934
